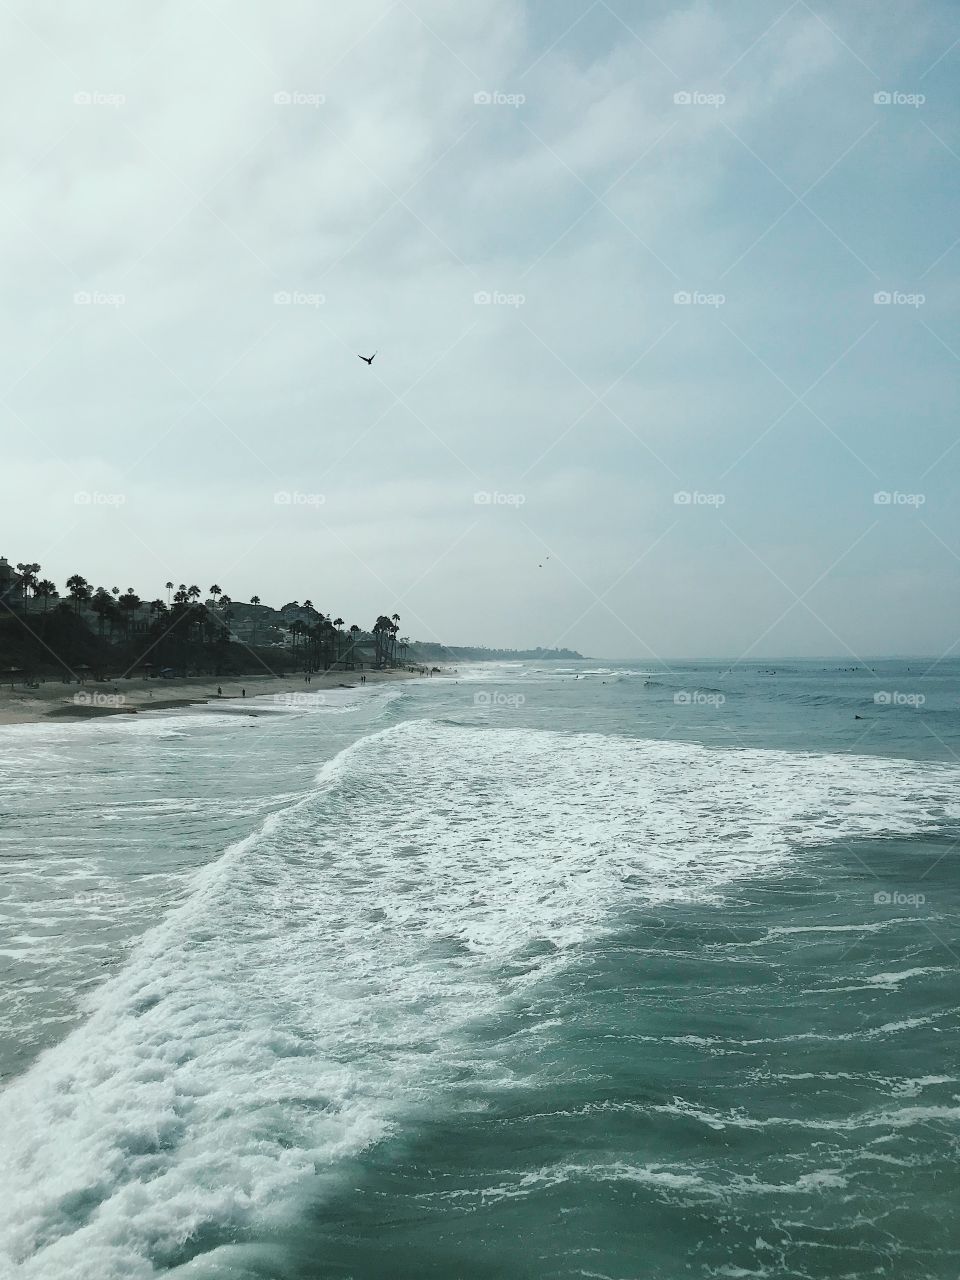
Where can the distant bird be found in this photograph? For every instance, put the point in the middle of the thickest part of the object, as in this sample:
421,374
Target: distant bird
369,359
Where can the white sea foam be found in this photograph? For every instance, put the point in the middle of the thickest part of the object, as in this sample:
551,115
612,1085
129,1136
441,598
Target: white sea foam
320,984
903,1118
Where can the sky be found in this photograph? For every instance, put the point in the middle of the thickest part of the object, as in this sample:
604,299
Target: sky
663,298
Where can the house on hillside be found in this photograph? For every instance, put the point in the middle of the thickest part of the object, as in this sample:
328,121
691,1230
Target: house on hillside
9,584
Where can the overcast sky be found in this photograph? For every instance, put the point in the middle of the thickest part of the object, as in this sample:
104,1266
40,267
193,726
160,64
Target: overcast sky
209,209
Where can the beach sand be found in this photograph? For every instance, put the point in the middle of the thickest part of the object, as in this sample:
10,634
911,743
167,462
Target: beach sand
57,700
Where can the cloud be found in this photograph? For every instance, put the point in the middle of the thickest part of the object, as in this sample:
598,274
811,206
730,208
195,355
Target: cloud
270,192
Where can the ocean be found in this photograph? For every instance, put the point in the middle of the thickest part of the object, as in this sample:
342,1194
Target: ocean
607,970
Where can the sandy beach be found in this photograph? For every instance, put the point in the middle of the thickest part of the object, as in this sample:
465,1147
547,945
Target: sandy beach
58,700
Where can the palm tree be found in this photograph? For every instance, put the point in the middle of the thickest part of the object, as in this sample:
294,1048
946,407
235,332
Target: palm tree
45,589
169,587
337,624
395,619
381,631
215,591
102,606
129,603
79,589
354,633
28,580
254,599
296,630
193,593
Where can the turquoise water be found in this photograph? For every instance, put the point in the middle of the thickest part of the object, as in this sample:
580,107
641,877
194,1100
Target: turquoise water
596,970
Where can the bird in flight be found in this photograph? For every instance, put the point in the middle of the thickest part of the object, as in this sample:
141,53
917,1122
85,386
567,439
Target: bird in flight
369,359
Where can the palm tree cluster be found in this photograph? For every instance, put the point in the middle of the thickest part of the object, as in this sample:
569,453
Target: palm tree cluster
183,621
385,632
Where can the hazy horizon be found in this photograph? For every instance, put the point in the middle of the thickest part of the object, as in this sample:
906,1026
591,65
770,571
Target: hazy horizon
663,301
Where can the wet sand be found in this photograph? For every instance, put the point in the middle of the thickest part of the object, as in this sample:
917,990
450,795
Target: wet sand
57,700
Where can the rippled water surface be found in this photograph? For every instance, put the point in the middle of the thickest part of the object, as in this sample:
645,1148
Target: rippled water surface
573,970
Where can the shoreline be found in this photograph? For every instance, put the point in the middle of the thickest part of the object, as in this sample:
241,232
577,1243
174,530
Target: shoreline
56,701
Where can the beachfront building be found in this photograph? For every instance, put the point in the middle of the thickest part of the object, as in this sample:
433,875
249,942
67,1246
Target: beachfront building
10,593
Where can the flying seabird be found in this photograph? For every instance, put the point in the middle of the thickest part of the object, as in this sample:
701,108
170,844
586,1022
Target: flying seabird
369,359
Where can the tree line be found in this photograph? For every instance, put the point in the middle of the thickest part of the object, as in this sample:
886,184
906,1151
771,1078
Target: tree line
182,630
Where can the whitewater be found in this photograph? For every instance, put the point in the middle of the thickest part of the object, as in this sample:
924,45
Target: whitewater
290,953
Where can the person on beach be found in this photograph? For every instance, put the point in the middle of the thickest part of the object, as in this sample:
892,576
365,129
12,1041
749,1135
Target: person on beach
243,693
219,692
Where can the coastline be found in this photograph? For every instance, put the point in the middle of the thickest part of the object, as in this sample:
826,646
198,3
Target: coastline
58,701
